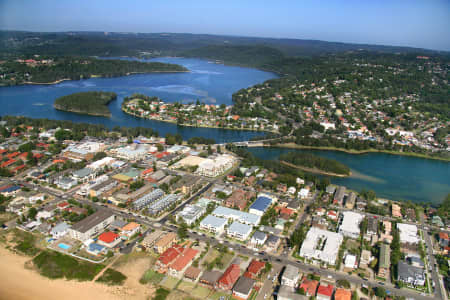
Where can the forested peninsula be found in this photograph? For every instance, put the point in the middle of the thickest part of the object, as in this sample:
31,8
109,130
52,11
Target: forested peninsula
89,103
51,70
315,164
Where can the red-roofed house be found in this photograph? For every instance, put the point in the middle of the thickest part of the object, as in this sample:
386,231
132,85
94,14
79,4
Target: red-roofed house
254,269
16,169
3,151
182,262
229,277
146,172
332,215
443,239
63,205
23,156
324,292
286,213
167,257
342,294
12,155
7,163
309,286
38,155
108,239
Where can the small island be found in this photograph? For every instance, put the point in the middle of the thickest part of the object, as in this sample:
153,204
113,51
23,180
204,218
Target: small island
88,103
315,164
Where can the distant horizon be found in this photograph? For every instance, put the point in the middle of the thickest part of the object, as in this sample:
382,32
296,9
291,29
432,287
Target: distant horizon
401,23
232,35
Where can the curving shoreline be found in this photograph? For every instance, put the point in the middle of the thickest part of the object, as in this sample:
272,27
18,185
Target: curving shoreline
195,126
357,152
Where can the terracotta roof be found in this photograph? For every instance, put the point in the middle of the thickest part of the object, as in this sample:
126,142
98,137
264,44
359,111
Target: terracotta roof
130,226
170,254
309,286
184,259
7,163
443,236
62,204
254,268
108,237
325,290
342,294
230,276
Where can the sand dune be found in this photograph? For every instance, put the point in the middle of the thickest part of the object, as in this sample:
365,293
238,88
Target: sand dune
19,283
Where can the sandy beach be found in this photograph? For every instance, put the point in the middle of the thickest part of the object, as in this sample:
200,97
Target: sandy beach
20,283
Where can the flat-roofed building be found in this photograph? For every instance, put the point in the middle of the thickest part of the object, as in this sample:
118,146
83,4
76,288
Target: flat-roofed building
237,215
239,231
350,224
408,233
91,225
290,276
385,261
191,213
321,245
213,224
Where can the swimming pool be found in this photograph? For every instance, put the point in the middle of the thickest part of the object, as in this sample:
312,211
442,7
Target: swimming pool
64,246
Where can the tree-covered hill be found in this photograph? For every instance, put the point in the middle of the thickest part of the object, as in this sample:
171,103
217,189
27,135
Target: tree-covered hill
52,69
90,103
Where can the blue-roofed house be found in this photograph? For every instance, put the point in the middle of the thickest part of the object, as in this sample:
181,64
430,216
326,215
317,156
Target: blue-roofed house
239,231
96,249
261,204
213,224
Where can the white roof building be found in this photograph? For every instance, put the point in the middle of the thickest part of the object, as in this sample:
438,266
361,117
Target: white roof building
214,167
214,224
191,213
321,245
303,193
408,233
239,231
133,151
105,161
237,215
350,224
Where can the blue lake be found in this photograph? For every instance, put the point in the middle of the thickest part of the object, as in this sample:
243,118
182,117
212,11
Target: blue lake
209,82
392,177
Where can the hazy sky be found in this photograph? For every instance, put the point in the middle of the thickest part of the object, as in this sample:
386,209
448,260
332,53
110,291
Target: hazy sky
416,23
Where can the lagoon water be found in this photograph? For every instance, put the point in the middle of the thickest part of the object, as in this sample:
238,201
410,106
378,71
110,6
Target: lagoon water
392,177
209,82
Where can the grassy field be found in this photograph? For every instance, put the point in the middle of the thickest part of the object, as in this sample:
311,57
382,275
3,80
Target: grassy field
127,258
56,265
150,276
201,292
112,277
25,242
186,286
213,254
170,282
217,295
161,294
